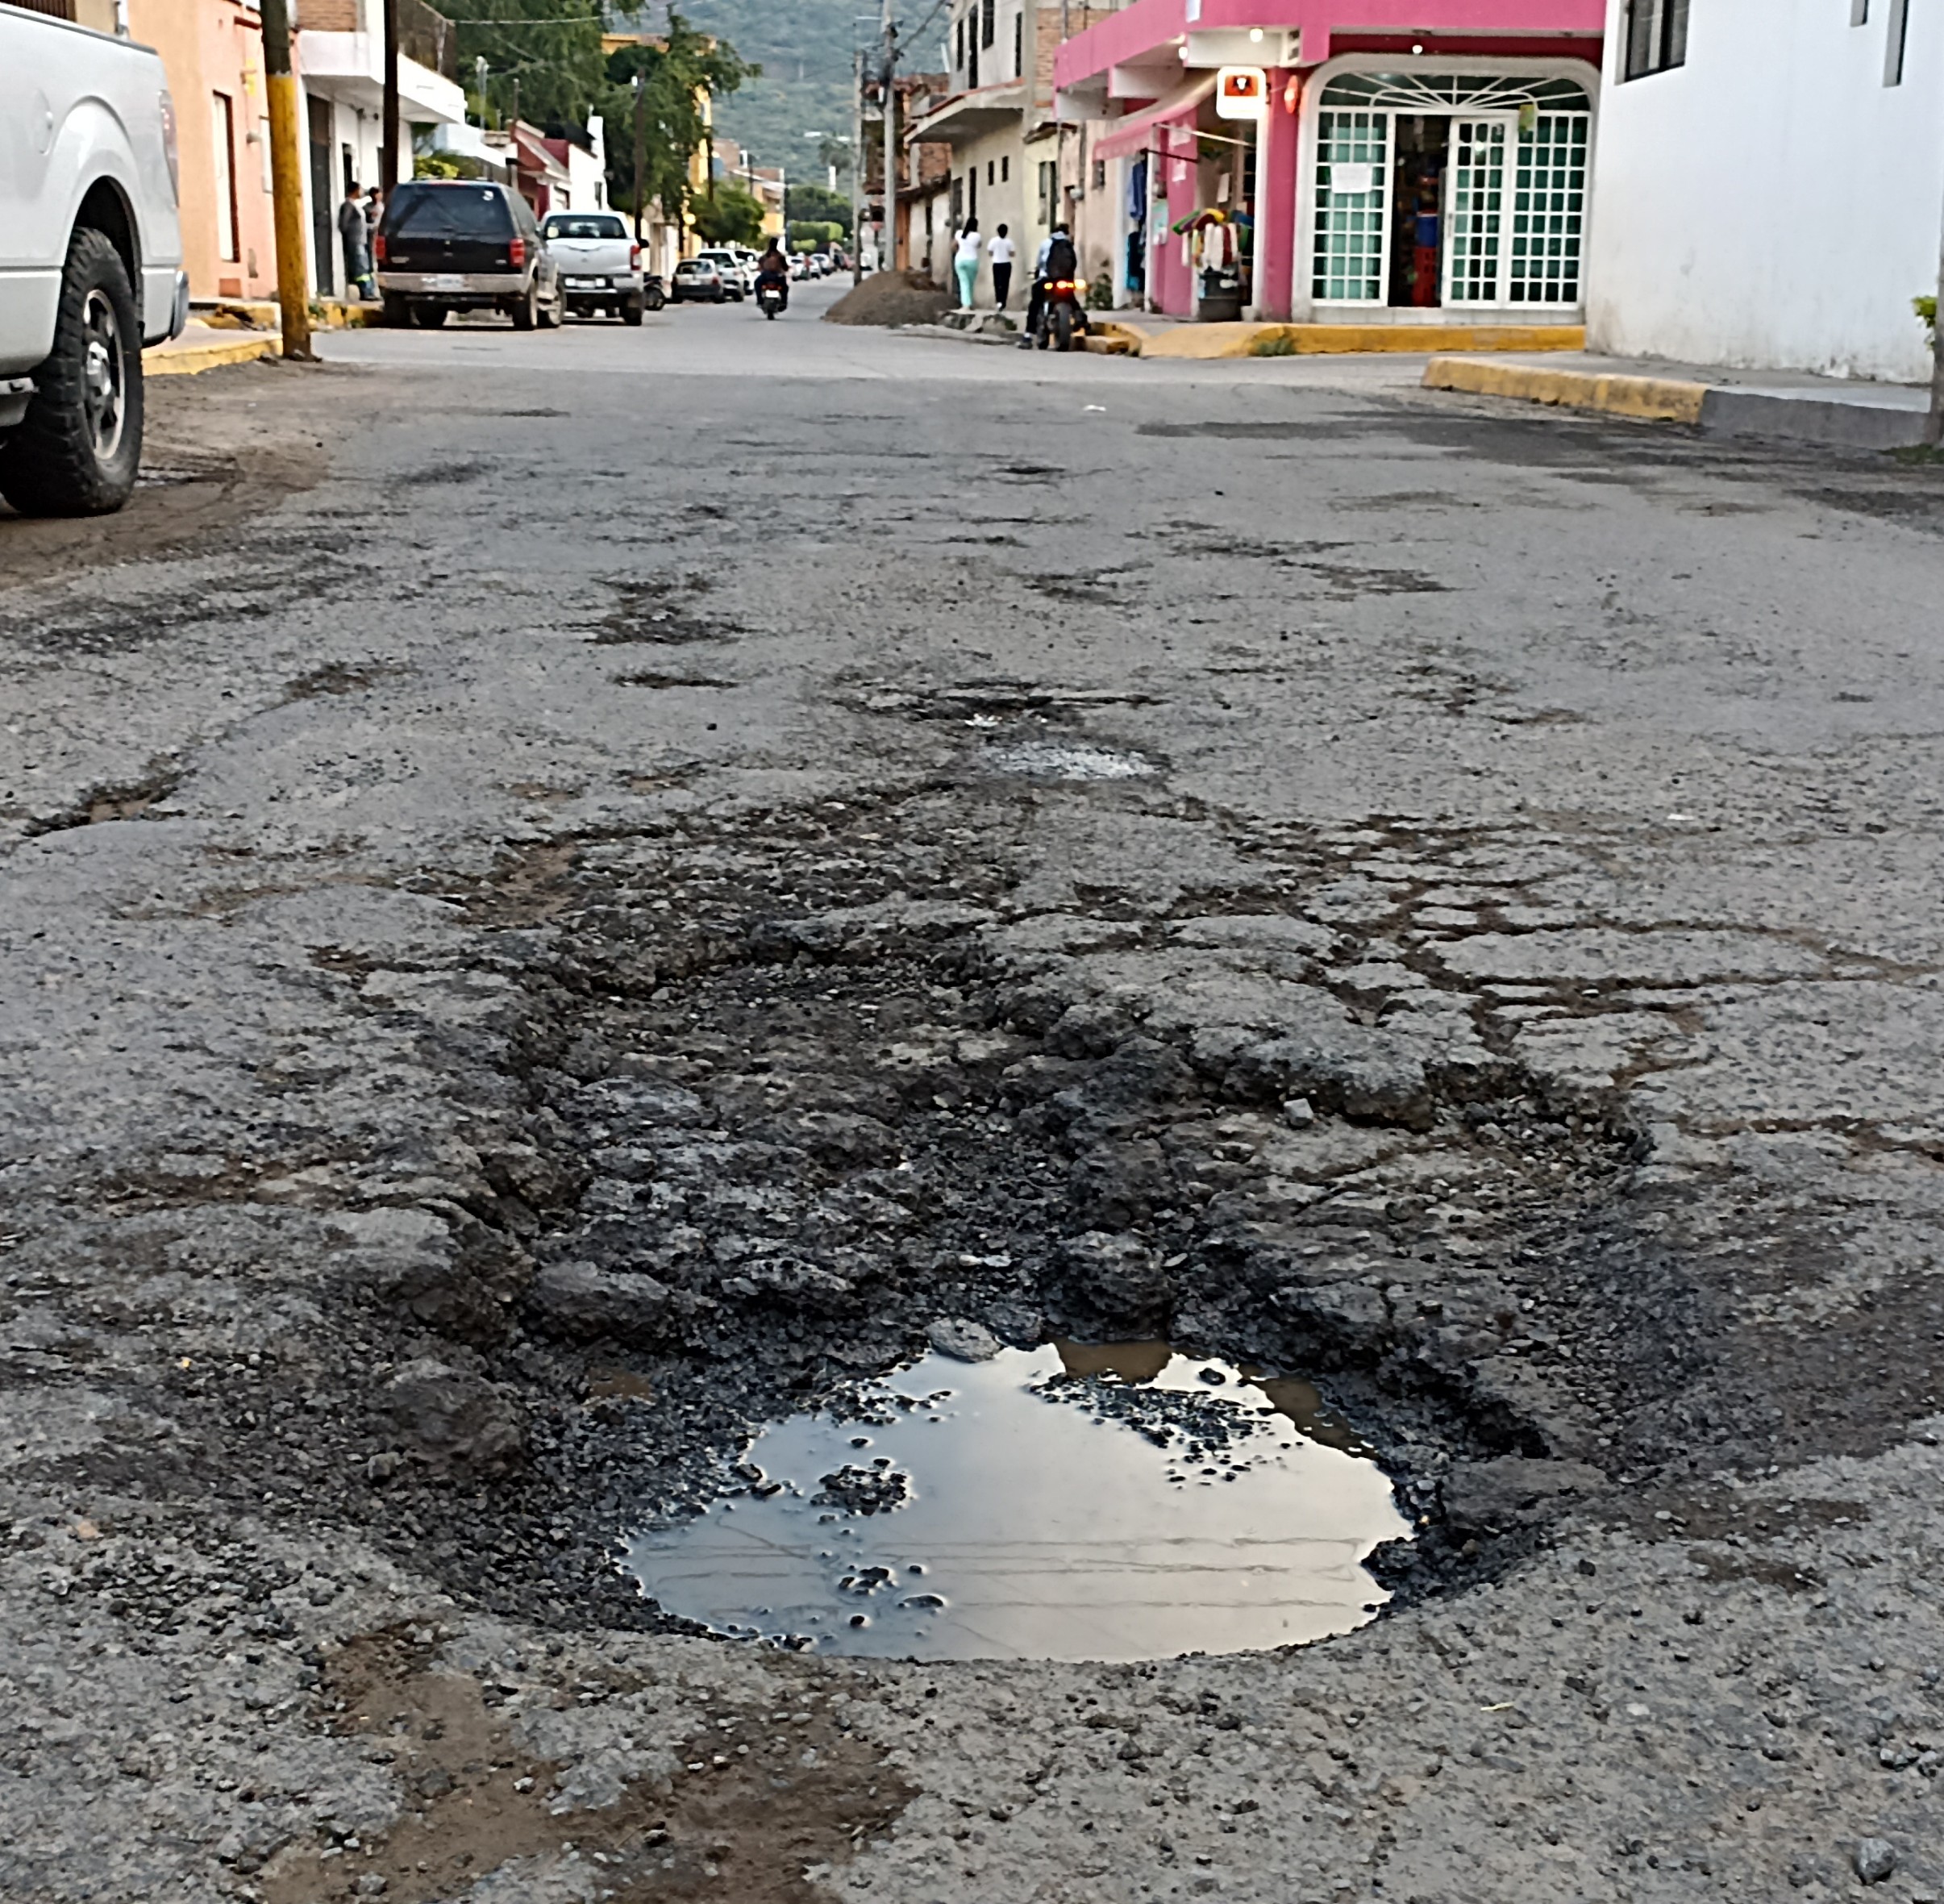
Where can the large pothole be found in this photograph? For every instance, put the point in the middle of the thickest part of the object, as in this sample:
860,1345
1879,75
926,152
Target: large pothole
804,1103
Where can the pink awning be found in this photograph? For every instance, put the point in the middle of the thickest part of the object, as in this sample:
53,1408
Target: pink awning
1131,134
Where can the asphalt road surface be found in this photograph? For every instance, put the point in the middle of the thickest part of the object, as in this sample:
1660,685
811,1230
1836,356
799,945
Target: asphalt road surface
565,896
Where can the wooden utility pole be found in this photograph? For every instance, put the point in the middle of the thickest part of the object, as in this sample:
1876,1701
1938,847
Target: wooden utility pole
857,167
887,251
388,162
286,181
1933,424
641,146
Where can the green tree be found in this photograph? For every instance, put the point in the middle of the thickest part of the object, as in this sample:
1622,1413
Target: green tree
545,54
818,205
677,72
727,214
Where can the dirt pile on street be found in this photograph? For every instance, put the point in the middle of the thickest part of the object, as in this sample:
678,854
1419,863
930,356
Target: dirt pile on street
888,297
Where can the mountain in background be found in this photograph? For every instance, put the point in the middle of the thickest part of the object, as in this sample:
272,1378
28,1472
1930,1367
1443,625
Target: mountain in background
803,48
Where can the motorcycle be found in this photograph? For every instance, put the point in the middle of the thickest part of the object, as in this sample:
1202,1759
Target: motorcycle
1062,313
654,293
772,297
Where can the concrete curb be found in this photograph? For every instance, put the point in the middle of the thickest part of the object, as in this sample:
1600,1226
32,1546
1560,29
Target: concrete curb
262,313
1880,419
1646,399
1843,424
1205,341
172,361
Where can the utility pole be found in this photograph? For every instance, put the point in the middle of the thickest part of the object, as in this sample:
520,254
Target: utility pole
1933,424
286,181
857,167
887,251
388,162
641,146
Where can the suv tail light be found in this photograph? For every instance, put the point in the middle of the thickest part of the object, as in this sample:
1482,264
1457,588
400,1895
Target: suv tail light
378,250
516,252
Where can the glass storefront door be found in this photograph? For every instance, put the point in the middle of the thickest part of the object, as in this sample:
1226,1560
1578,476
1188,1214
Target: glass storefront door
1493,215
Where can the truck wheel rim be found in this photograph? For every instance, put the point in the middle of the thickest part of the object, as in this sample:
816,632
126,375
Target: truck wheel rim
103,372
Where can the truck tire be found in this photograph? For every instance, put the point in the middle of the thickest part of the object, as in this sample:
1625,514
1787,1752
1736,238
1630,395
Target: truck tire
78,449
428,317
525,310
394,313
630,311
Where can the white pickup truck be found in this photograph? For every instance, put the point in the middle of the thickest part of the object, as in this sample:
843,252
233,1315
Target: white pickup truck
600,264
90,259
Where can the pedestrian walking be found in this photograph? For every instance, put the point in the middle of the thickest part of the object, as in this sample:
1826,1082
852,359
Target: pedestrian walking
966,263
355,237
1001,251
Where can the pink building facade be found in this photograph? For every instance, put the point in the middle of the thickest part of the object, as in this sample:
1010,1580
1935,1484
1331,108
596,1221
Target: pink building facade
1410,161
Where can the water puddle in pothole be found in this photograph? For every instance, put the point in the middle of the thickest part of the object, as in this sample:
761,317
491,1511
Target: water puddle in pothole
1071,1502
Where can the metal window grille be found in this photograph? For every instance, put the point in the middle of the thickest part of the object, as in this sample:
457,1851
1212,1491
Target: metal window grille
1477,211
1348,263
1471,92
1019,44
55,9
1657,37
989,21
1549,211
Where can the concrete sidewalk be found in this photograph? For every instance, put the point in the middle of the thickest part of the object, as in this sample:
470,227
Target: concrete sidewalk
1792,405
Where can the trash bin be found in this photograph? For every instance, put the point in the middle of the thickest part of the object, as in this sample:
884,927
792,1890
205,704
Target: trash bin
1221,299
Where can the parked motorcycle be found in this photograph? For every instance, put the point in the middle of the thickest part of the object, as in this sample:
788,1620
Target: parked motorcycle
654,293
1062,313
770,296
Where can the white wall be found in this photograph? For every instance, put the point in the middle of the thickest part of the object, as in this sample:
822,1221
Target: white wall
1772,204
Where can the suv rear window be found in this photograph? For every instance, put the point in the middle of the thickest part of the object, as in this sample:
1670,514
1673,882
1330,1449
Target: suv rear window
581,225
449,211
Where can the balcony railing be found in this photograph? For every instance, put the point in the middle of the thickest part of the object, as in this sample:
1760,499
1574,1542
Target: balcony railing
428,37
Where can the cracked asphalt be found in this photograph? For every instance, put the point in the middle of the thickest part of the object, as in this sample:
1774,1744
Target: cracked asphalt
567,896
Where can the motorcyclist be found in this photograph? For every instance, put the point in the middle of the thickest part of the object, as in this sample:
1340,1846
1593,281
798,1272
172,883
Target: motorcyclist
1057,260
772,269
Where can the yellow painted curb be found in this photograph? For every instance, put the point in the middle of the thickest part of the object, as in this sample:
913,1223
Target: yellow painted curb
1203,341
1109,344
164,361
1645,399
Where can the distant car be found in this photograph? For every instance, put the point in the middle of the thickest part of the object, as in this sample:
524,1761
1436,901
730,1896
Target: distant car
600,265
697,281
799,269
737,282
458,244
819,263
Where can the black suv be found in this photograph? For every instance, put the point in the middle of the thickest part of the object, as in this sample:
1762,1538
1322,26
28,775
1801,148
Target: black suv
458,244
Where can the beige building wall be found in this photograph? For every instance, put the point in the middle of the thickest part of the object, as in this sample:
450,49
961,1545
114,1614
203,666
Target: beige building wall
212,52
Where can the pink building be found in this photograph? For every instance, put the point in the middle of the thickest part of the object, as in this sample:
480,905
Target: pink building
1327,160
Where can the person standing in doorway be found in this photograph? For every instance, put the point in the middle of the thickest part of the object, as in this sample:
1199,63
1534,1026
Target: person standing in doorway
354,237
1001,251
966,263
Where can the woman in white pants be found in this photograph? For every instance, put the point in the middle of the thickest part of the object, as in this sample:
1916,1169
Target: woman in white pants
966,260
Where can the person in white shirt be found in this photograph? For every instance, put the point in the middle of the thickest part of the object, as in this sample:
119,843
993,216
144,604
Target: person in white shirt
966,263
1001,251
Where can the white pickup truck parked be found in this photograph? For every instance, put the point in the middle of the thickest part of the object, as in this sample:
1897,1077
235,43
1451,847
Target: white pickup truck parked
600,264
90,259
